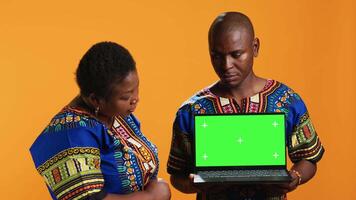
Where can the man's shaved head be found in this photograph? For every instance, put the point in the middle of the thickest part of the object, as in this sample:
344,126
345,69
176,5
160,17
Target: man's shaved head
230,21
232,48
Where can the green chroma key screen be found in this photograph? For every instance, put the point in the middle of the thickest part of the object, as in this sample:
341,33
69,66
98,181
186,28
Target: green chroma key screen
239,140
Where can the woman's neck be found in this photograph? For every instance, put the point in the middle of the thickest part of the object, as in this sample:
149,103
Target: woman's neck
81,103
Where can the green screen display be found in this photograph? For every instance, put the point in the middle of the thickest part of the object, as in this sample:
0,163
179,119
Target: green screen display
239,140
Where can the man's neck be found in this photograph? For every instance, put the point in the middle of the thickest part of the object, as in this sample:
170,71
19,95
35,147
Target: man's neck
247,88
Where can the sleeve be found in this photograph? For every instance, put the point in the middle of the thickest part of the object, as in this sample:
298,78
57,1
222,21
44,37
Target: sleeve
303,141
180,159
72,167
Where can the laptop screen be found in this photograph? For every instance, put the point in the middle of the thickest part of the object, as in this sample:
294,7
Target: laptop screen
240,140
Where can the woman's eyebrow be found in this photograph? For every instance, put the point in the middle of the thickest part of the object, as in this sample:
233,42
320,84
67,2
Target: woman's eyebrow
128,91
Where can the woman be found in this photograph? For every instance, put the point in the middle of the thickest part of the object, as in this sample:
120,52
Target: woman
93,148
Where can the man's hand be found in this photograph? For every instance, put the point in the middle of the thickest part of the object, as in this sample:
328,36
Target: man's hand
280,189
208,187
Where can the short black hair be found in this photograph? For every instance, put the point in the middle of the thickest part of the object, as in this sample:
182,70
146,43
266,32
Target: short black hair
103,65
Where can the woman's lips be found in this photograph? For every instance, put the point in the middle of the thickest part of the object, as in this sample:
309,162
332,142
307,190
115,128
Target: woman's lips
132,109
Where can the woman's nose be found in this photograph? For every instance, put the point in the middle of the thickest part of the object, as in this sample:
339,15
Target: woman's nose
134,101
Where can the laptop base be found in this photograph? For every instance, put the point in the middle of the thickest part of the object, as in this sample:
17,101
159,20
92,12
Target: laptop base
202,178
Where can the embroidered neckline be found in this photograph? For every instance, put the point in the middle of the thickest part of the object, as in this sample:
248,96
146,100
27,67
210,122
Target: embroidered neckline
230,105
266,88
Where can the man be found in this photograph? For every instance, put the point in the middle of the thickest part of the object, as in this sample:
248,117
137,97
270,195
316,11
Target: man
233,47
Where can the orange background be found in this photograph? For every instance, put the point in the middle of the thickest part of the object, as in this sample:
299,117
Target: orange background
309,45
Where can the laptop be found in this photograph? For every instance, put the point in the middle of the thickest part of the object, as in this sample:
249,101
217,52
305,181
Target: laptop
240,148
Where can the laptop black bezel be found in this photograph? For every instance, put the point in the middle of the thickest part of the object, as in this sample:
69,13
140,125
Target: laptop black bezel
212,168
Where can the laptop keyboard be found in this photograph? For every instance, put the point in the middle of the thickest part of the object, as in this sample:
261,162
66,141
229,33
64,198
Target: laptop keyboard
243,173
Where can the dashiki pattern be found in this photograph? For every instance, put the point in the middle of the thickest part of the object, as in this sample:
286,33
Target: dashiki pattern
78,156
302,139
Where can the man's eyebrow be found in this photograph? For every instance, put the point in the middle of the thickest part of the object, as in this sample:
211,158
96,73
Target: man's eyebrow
231,52
235,51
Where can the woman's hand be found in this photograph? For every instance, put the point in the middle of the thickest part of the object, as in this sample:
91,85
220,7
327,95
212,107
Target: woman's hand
155,190
158,189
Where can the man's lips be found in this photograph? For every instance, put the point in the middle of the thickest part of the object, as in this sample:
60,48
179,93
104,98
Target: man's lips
230,76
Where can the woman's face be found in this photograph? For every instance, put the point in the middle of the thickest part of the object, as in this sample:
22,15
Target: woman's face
124,97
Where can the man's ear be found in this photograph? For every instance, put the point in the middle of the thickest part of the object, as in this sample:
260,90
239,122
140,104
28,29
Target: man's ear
256,46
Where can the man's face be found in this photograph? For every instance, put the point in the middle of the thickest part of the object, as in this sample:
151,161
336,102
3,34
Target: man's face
232,55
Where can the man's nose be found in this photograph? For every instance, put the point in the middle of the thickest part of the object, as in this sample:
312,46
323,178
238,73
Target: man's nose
227,62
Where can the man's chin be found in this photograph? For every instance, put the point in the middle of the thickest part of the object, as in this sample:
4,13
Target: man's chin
230,83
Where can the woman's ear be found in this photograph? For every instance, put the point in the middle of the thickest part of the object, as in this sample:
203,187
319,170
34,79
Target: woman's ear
256,46
93,100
